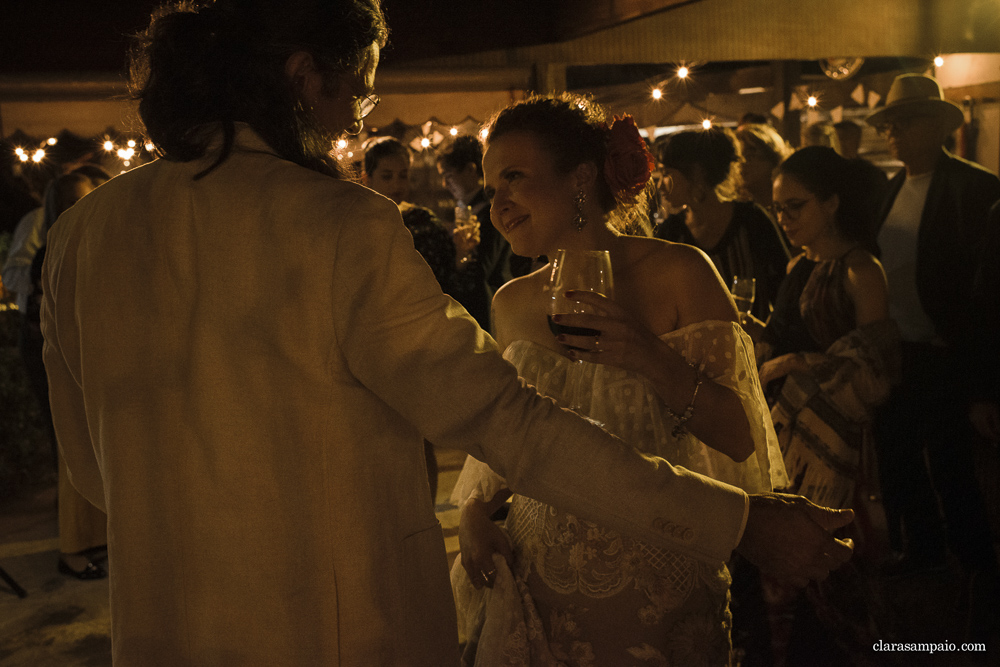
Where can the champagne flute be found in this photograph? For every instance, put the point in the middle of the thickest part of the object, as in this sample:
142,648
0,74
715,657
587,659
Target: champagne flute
586,270
744,290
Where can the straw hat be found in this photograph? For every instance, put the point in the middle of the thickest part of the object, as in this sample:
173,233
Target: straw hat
917,94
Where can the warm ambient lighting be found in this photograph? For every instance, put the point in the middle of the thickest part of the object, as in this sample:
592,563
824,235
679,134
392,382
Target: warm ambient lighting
683,72
657,94
939,61
483,133
812,101
706,124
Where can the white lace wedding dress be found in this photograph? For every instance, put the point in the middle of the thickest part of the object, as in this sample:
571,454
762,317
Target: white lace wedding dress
582,595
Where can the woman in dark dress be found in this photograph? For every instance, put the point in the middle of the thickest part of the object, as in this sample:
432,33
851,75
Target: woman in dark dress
701,170
830,339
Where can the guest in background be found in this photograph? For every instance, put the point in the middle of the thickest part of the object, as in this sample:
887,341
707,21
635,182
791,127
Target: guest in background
701,175
829,343
933,225
461,167
820,133
763,149
386,170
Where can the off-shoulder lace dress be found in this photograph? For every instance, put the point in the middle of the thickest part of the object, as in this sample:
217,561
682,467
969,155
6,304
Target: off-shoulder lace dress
580,594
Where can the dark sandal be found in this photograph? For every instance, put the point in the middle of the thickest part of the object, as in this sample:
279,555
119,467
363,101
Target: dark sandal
90,572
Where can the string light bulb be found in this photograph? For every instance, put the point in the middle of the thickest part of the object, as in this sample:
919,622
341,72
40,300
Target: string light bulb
51,141
453,131
342,144
150,147
483,134
131,143
109,146
682,72
38,156
938,61
657,94
19,151
706,124
813,101
23,157
425,142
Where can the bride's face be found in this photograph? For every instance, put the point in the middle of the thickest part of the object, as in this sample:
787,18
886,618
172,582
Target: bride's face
532,202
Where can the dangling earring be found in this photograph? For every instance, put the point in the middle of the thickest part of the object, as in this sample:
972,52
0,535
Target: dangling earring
579,220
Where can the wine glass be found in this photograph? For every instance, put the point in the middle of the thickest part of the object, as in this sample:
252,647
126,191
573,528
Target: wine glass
744,290
587,270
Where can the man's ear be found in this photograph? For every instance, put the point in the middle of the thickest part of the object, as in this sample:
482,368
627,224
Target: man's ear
300,68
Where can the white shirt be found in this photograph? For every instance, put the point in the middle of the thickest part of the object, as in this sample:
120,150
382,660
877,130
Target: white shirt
898,242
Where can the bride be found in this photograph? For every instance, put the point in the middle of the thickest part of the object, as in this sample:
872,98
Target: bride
670,372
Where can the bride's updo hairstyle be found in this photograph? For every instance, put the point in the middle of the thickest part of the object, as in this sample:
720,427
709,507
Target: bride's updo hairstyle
575,130
201,67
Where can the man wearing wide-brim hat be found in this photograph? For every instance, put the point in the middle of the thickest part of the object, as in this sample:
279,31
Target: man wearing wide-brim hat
931,225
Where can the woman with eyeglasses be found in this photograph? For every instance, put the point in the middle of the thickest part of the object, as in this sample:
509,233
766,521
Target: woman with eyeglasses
829,349
701,177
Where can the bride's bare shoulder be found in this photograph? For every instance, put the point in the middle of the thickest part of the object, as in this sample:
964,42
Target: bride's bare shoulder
665,257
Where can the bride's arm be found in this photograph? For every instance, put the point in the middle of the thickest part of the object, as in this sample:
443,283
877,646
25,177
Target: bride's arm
717,417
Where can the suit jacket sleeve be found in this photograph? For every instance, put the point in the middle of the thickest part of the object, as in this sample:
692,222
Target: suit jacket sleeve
425,357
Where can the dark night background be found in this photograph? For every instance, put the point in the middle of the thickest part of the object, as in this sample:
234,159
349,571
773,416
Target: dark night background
65,36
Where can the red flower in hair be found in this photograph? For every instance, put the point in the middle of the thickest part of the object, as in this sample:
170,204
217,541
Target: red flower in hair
629,163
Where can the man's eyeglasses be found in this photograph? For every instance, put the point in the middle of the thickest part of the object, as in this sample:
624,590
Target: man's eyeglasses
366,104
791,208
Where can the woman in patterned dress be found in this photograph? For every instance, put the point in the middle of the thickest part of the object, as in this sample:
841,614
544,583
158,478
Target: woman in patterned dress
670,372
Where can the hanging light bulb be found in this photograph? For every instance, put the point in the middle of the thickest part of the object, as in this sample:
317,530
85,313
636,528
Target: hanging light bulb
342,144
19,151
938,61
38,156
813,101
706,124
51,141
453,131
150,147
131,143
425,142
657,94
483,134
682,72
109,146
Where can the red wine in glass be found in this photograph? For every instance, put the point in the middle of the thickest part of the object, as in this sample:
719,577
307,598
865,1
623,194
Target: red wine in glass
557,329
583,270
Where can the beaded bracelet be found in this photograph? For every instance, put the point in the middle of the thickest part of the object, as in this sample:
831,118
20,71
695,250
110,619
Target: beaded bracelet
685,416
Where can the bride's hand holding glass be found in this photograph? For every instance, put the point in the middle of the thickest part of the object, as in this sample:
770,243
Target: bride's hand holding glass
618,339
